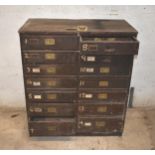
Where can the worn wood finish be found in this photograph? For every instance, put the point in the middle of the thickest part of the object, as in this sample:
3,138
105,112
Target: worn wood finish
49,57
77,75
52,109
98,125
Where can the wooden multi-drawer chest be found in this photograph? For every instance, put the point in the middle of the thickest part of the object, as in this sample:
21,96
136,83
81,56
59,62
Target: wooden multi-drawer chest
77,75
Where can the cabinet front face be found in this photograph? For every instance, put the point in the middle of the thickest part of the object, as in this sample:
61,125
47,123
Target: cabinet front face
77,75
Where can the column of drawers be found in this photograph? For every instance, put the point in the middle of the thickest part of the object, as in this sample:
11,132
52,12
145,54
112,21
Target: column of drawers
104,80
51,83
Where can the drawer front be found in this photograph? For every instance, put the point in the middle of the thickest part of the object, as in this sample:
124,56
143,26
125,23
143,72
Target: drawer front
105,70
51,109
106,59
112,96
51,82
40,56
104,82
51,96
51,69
124,46
52,127
99,125
101,109
49,42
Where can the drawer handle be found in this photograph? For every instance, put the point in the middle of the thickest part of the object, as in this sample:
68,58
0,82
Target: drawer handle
103,96
49,41
29,82
82,83
51,96
51,70
51,83
102,109
50,56
52,128
105,70
52,110
103,83
100,124
82,28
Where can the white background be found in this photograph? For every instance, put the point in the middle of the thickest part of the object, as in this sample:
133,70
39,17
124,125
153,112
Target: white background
12,17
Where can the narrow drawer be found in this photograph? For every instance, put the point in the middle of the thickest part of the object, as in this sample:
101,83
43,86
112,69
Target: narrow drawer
101,109
52,109
106,59
49,56
51,96
106,95
61,69
52,82
105,69
49,42
99,125
51,127
109,45
104,82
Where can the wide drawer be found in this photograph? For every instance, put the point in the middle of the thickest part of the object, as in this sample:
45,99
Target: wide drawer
109,45
52,109
52,127
99,125
103,82
49,42
49,56
101,109
48,83
105,69
102,95
51,96
106,59
61,69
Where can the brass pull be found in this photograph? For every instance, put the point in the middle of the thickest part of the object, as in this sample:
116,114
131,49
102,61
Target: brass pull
102,109
49,41
103,83
28,69
87,69
84,95
84,58
29,82
100,124
82,83
87,124
52,109
85,47
51,70
50,56
103,96
25,41
104,70
35,109
51,128
82,28
51,96
36,83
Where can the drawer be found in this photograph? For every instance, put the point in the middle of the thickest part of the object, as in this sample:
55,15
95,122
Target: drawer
99,125
106,95
52,109
106,59
51,96
104,82
52,82
51,127
47,56
106,69
101,109
49,42
109,45
42,69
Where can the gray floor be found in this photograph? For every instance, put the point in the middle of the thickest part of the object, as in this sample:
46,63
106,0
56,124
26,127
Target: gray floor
139,133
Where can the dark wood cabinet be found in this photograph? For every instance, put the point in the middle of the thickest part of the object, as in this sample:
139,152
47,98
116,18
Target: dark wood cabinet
77,75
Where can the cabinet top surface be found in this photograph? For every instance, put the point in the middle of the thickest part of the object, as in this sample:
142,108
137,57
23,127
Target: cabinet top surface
70,26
